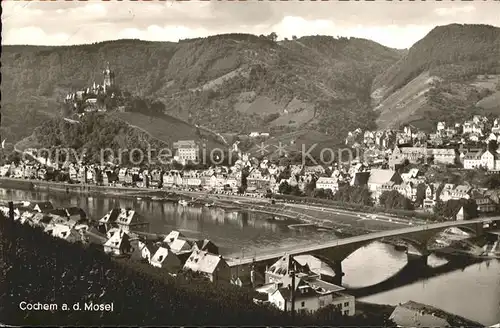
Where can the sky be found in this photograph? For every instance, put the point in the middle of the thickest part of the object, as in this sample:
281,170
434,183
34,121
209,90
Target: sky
393,24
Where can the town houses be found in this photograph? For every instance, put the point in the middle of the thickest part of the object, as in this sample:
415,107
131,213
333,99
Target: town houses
378,167
311,293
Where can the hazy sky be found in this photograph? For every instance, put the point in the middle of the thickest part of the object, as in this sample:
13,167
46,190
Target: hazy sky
394,24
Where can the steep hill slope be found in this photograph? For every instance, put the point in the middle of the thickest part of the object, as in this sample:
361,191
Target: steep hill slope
442,77
95,137
167,128
229,83
300,146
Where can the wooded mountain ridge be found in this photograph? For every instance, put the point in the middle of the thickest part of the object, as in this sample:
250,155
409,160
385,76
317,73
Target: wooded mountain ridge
241,83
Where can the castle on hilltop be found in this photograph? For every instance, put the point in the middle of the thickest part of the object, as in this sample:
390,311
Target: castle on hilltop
109,77
89,99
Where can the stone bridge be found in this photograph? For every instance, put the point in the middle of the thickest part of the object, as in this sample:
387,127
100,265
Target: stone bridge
335,251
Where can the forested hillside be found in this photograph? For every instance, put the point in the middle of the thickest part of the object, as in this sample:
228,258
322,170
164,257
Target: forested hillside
234,83
442,77
93,134
240,83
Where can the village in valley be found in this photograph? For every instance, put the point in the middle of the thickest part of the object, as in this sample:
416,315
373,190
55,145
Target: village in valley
393,162
404,161
445,175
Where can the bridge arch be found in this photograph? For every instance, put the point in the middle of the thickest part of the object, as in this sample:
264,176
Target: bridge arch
466,228
417,243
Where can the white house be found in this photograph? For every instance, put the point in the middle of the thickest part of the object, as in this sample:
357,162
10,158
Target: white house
177,242
165,258
118,243
484,159
129,220
312,294
211,265
65,232
328,183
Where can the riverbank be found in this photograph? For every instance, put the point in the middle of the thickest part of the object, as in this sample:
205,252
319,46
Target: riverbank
342,221
299,216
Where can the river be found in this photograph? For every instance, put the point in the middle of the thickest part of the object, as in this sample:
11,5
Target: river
472,291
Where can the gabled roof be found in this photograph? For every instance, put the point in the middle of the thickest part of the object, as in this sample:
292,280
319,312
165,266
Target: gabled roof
206,245
116,240
306,287
361,178
161,255
172,236
203,262
379,176
111,216
180,245
463,188
473,155
43,206
153,247
285,264
413,314
127,217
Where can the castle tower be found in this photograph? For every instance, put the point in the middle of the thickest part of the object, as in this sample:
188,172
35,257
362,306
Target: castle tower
109,77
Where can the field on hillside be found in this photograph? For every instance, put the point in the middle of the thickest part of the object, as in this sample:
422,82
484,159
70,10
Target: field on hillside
203,81
166,128
403,103
491,103
299,142
463,57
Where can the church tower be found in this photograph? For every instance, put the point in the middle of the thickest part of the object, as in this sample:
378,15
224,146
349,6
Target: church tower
109,77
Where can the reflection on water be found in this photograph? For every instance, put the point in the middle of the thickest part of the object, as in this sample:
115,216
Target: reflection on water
473,292
234,232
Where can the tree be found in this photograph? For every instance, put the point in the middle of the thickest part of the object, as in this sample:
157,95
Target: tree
493,181
310,187
273,36
354,194
394,200
244,184
449,209
285,174
285,188
421,194
493,146
14,157
323,193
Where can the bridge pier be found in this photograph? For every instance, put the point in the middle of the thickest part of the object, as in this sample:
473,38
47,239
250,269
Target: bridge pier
337,268
417,259
480,229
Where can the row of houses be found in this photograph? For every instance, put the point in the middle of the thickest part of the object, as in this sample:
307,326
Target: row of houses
175,252
68,223
477,129
470,159
438,145
407,184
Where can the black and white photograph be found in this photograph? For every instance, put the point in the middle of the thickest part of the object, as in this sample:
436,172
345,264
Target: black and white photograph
250,163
